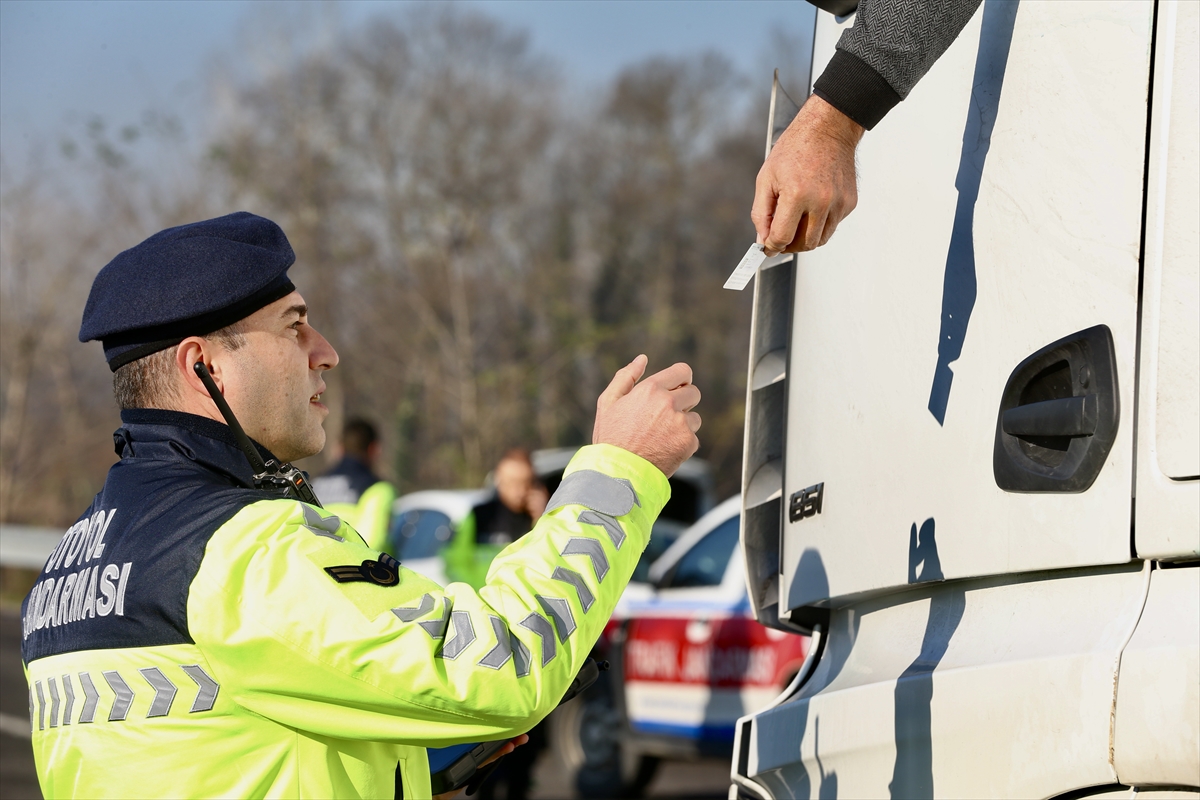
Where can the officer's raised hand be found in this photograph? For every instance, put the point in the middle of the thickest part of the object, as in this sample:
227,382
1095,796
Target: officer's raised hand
654,418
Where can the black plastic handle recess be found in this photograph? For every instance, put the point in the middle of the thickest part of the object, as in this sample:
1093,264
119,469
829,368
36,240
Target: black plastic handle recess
1068,416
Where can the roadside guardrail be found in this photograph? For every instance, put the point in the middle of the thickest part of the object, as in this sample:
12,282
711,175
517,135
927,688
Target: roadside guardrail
27,546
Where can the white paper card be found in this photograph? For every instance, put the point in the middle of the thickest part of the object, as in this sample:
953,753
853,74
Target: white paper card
746,268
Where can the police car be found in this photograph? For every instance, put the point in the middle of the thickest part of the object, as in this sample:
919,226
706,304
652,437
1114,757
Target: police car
424,522
688,659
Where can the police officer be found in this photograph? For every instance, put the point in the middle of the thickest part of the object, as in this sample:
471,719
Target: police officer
195,636
353,491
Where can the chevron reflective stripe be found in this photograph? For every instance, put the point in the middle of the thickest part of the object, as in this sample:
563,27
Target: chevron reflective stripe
542,627
559,610
206,695
69,693
597,491
41,705
462,634
32,708
164,691
90,698
436,628
423,607
54,702
124,696
575,579
499,655
521,656
610,525
321,526
593,550
507,646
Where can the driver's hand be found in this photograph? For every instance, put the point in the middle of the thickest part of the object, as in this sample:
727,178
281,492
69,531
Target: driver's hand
808,184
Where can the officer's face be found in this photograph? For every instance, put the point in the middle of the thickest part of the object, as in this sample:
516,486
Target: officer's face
274,383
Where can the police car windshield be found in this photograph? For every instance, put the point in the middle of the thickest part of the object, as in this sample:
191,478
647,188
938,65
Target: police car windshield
419,533
705,563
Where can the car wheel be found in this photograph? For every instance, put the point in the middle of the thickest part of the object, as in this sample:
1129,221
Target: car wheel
587,741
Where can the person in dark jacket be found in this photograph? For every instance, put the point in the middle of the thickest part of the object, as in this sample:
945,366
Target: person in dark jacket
353,491
494,524
355,472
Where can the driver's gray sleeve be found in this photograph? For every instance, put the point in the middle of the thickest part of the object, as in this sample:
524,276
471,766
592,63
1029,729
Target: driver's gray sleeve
890,47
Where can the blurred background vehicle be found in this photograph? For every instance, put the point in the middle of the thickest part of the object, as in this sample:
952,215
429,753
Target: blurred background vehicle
687,660
423,523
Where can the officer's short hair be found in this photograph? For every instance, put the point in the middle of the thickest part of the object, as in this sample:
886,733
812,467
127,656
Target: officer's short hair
150,381
357,437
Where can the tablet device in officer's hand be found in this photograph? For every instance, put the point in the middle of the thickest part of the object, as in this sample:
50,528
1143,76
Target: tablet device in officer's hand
451,768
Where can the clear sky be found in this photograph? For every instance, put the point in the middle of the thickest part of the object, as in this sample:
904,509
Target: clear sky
63,62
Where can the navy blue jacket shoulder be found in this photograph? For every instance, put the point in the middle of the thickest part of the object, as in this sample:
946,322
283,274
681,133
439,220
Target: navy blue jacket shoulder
120,576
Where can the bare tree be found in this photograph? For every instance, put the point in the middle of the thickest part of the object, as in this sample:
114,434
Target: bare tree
483,249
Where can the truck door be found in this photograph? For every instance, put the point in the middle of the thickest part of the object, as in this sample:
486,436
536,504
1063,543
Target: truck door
956,368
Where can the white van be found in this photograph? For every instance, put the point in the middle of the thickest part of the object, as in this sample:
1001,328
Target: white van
972,465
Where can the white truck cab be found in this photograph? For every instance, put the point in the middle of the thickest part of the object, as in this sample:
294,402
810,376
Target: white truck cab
972,460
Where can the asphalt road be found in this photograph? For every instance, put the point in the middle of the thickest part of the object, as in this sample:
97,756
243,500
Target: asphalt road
692,780
703,780
17,778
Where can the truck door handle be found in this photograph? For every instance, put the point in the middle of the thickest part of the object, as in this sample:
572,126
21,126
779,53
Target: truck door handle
1068,416
1058,416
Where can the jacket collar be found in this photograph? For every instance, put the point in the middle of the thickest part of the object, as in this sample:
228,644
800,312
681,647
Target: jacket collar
157,434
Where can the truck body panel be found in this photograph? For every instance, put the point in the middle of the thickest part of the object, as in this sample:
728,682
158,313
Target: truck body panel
992,613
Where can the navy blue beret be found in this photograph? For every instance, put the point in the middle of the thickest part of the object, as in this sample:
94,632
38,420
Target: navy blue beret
186,281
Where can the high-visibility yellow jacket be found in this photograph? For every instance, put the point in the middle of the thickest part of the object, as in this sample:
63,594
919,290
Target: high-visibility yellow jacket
192,637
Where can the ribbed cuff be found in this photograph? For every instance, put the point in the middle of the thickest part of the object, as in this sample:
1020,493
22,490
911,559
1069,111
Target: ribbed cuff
853,88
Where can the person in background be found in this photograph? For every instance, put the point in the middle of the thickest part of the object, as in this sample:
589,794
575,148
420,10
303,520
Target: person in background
491,526
353,491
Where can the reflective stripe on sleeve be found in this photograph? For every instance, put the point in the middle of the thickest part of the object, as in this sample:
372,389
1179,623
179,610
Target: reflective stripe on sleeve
579,546
436,628
463,633
423,607
559,610
597,491
542,627
575,579
608,523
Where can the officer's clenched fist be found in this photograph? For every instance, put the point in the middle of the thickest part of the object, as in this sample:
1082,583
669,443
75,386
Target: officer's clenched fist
652,419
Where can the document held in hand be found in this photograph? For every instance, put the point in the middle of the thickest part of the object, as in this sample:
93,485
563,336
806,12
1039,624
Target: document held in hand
746,268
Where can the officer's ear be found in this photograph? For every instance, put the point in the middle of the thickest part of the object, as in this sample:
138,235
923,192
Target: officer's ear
187,353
